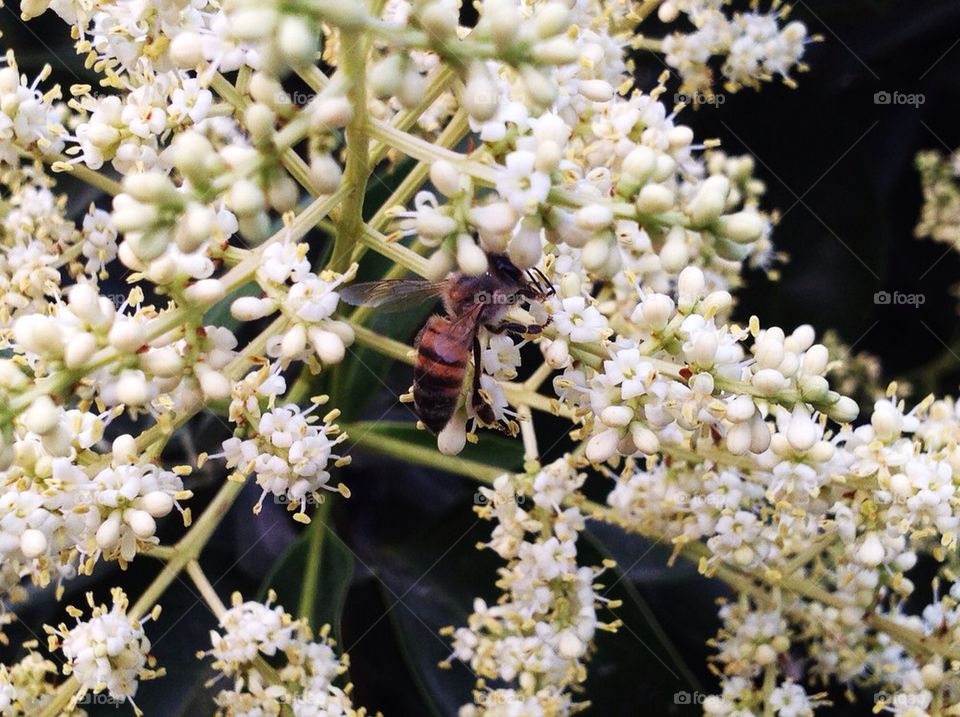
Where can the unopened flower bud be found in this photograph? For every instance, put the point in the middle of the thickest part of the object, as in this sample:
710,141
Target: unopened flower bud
412,87
815,359
557,354
294,342
494,218
141,522
551,19
813,389
186,50
157,503
251,308
215,386
42,416
559,50
596,90
710,200
768,381
297,41
132,388
525,248
570,646
654,199
674,254
638,165
644,439
108,534
480,93
245,198
540,90
326,173
439,20
470,257
871,551
453,437
691,285
152,187
33,543
802,431
445,177
616,416
259,120
739,438
205,292
328,345
163,362
85,304
603,445
595,253
742,227
39,334
844,410
594,217
127,336
79,350
668,12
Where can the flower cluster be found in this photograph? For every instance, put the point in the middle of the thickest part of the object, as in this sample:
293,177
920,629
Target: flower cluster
238,208
303,682
754,46
940,216
538,636
108,652
289,453
58,516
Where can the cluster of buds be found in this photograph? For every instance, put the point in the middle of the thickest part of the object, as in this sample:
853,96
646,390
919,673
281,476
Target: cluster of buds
108,652
538,636
303,682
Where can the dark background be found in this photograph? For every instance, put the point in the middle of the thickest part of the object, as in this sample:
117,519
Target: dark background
840,169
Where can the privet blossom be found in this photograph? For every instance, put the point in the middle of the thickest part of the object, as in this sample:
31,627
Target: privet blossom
206,276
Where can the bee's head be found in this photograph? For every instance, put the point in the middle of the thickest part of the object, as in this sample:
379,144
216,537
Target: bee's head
503,267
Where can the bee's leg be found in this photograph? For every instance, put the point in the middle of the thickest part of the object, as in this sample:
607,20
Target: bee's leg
482,409
515,329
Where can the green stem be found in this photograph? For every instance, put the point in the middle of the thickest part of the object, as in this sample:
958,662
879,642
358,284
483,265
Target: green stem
311,579
420,455
357,169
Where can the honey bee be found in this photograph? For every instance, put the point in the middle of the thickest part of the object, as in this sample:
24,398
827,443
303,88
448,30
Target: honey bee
444,344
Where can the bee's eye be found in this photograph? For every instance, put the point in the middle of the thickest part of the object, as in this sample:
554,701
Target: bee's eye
506,267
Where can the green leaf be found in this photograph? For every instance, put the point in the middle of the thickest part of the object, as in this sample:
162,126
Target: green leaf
313,575
429,581
638,661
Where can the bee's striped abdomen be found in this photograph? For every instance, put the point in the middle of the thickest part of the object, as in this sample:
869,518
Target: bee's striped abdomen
438,374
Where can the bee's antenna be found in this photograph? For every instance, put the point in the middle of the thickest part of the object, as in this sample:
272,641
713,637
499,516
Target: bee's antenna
546,287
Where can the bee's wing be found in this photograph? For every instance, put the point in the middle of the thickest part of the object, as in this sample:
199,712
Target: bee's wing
391,295
457,337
